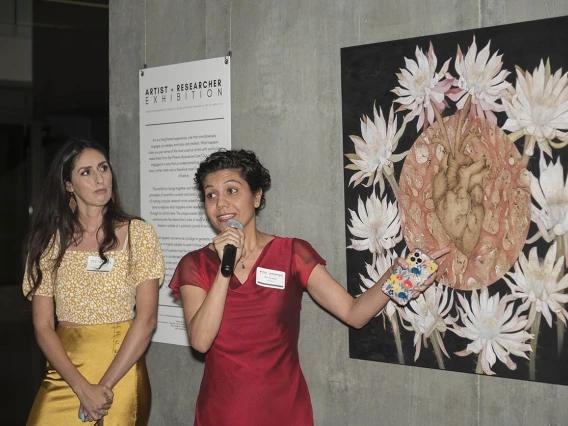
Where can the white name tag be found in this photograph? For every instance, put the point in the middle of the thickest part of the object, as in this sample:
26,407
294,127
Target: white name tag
94,264
270,278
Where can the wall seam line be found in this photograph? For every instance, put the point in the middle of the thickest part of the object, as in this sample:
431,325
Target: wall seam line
145,37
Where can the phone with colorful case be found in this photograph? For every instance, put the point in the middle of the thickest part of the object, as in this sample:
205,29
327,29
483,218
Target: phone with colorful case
399,286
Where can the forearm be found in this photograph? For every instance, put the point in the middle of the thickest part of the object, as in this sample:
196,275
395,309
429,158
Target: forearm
331,295
203,327
368,305
133,347
53,349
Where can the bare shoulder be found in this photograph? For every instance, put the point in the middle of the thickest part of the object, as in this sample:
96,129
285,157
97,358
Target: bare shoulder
121,231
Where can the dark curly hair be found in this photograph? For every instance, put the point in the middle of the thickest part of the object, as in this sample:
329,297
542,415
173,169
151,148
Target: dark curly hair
246,162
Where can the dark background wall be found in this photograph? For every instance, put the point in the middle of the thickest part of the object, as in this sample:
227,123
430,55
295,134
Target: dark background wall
53,84
67,95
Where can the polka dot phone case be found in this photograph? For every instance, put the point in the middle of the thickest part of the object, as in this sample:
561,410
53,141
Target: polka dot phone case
400,285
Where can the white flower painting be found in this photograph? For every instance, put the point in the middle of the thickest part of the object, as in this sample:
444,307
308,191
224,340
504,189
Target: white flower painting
427,316
483,79
374,158
460,140
375,225
422,89
538,108
494,329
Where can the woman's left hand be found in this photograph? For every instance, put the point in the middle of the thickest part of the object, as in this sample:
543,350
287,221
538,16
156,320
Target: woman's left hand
402,263
418,290
102,413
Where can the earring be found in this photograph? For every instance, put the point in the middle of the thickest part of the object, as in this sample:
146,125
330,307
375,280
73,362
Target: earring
72,203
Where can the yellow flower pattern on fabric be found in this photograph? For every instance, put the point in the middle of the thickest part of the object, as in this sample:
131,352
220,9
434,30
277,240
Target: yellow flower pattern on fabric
91,298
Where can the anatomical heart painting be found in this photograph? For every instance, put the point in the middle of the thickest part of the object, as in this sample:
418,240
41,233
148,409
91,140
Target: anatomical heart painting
460,140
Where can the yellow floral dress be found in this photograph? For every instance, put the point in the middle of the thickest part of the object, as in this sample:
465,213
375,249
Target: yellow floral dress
103,303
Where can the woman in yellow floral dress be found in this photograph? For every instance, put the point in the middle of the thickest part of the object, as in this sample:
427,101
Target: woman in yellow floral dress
89,267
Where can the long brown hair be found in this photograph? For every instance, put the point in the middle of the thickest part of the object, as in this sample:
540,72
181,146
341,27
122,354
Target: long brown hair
55,223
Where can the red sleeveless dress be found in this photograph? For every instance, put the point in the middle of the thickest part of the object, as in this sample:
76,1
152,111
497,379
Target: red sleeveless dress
252,372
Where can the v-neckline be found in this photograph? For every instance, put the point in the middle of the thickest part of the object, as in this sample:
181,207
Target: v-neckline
235,283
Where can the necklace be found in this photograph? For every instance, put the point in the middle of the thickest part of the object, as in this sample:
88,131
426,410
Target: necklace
243,262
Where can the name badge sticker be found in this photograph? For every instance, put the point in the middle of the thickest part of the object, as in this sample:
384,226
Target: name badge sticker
94,264
270,278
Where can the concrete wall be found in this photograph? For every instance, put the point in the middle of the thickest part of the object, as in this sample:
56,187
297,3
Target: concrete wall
287,107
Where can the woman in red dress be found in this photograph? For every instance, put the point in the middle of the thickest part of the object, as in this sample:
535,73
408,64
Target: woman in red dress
248,323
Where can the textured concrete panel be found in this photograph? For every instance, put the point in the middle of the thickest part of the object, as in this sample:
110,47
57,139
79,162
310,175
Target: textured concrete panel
175,31
399,395
499,12
324,363
288,111
175,375
286,104
218,36
126,58
519,403
381,21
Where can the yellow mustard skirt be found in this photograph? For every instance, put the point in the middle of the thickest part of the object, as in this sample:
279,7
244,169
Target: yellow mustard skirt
92,349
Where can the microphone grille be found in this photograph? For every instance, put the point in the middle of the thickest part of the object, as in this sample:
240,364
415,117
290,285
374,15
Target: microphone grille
234,224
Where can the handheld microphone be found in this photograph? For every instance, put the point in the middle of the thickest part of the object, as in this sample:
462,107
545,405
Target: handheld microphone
230,251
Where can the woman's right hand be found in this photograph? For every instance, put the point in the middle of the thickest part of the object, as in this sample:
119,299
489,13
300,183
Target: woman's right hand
95,401
229,235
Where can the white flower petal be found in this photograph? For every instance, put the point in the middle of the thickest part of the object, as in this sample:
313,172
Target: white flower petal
492,328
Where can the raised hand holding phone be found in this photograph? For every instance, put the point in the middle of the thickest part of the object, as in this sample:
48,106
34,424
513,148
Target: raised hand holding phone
403,283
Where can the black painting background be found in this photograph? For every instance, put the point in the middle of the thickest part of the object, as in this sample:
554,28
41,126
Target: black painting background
368,76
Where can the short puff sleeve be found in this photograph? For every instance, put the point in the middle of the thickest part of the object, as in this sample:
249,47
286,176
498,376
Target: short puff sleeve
47,267
305,259
189,272
147,262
